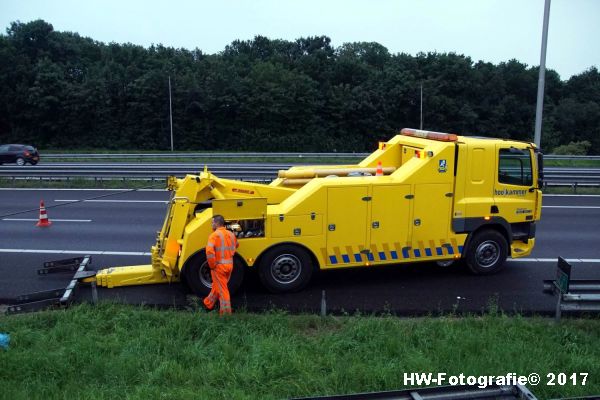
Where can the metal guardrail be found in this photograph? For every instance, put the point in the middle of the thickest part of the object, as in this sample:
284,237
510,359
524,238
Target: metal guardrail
458,392
213,155
201,155
565,157
553,176
572,294
56,297
573,177
149,172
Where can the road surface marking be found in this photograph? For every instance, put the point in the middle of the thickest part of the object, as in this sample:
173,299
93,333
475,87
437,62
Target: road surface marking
571,195
571,260
52,220
136,253
573,207
112,201
91,252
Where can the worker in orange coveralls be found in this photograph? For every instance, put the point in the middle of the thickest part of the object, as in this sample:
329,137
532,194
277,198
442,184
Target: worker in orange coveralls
219,254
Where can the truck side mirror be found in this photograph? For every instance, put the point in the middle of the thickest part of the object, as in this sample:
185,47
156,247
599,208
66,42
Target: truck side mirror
540,163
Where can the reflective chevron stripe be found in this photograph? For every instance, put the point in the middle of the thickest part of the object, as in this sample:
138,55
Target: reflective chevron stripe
340,255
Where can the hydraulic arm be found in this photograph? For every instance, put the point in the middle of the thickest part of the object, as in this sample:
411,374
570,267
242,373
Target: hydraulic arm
189,195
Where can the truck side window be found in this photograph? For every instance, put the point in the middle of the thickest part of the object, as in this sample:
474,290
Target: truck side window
514,167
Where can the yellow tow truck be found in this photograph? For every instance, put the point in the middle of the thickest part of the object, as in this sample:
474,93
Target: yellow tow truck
421,196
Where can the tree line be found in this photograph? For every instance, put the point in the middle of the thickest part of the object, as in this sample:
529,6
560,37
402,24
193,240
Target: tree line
63,91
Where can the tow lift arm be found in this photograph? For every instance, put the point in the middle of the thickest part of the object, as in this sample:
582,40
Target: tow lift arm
188,193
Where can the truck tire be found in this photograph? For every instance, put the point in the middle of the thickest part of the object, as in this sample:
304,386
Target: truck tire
487,252
285,268
197,274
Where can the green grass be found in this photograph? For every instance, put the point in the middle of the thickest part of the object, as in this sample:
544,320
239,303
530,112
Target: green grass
311,160
116,351
572,163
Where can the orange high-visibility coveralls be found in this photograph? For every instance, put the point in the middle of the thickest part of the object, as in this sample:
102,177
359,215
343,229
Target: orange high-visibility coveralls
219,254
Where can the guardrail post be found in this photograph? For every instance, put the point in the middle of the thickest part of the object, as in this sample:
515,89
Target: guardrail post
561,284
573,295
558,303
323,304
94,293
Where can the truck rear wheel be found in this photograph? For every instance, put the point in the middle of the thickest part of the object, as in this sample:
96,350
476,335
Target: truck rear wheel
487,252
197,274
285,268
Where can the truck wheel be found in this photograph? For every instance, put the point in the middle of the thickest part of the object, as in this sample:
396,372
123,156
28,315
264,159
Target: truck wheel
285,268
487,252
197,274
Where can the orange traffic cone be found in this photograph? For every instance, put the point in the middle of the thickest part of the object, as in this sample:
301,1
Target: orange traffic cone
379,169
44,221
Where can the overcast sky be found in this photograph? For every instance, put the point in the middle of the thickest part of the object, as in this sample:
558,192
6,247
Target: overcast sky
489,30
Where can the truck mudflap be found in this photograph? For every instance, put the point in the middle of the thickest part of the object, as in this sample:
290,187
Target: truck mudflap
61,297
519,248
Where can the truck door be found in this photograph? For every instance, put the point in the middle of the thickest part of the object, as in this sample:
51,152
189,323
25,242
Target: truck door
431,221
514,190
389,225
346,225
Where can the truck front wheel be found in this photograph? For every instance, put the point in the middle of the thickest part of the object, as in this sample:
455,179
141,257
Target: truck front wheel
285,268
487,252
197,274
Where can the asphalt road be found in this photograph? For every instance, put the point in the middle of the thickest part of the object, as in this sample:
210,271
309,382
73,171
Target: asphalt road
119,230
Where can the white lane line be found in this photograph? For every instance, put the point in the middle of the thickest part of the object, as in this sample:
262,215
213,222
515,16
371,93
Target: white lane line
52,220
136,253
571,195
581,207
112,201
93,252
571,260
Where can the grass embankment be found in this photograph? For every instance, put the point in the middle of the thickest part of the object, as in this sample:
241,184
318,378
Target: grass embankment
572,163
575,163
116,351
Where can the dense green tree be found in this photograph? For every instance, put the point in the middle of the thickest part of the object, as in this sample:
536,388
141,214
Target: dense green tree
60,90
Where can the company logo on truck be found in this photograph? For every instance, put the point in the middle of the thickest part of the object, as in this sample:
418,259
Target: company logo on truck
442,166
245,191
510,192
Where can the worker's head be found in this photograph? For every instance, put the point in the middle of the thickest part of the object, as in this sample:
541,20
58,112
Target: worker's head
217,221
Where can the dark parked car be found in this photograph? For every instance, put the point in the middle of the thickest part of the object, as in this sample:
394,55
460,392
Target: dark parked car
18,153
